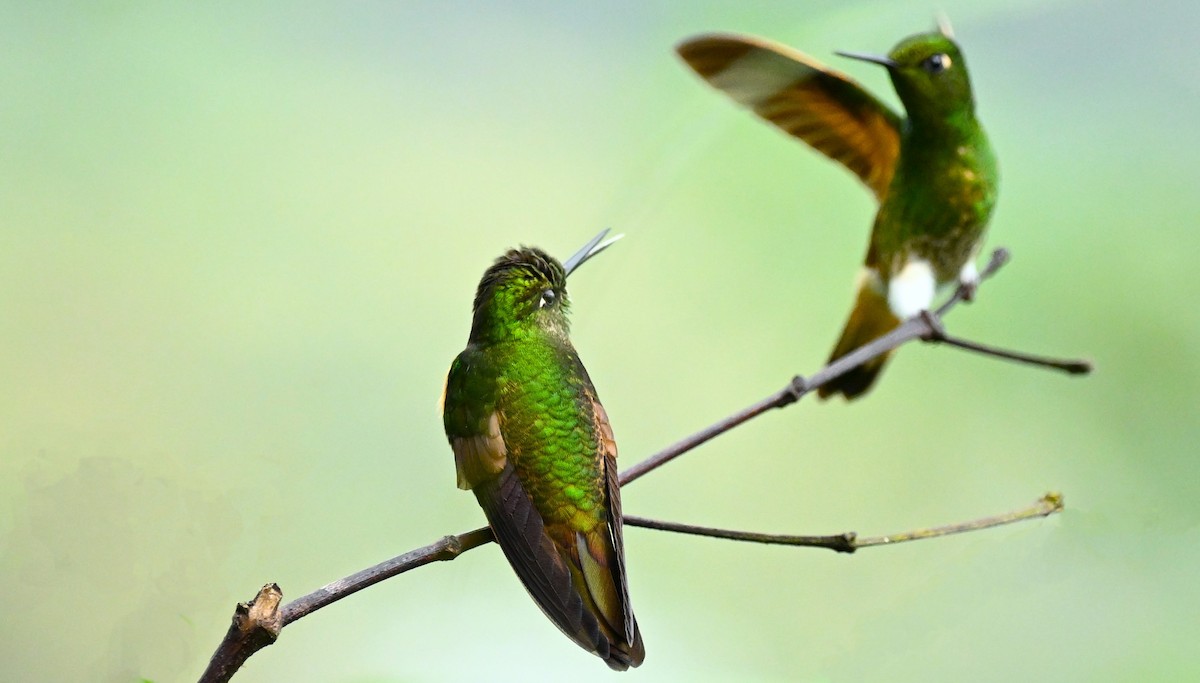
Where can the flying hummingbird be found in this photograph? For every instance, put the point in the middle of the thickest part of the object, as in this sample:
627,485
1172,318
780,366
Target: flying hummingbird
933,171
531,439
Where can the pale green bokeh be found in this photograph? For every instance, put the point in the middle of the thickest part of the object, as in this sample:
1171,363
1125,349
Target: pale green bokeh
238,245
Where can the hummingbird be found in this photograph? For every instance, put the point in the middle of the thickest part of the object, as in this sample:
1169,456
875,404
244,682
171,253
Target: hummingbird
532,441
932,170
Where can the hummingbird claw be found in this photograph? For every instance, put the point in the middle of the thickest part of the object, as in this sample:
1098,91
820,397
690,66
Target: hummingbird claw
966,290
937,332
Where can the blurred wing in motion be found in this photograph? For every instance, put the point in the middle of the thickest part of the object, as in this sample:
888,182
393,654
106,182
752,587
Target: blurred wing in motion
805,99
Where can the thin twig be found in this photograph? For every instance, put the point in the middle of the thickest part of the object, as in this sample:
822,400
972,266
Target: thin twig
243,640
849,542
940,336
842,543
1044,507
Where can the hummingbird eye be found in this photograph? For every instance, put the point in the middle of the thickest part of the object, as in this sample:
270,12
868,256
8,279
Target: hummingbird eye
548,298
936,64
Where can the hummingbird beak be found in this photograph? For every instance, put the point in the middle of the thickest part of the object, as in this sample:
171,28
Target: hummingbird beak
877,59
594,246
943,25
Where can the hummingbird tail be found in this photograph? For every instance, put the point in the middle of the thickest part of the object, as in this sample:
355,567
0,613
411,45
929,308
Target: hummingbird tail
622,656
548,573
870,319
602,574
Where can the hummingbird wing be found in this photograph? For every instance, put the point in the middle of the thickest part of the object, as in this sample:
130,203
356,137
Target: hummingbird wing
471,421
602,551
538,561
805,99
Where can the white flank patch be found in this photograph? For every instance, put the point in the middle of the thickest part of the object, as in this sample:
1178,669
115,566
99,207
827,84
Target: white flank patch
911,290
758,77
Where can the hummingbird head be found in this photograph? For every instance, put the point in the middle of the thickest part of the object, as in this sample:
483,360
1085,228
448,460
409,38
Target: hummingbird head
525,292
930,76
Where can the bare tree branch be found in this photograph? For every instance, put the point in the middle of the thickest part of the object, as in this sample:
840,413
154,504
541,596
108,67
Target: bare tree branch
446,549
849,541
254,623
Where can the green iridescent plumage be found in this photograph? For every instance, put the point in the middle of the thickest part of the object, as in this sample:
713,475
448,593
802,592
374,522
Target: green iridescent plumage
531,439
932,171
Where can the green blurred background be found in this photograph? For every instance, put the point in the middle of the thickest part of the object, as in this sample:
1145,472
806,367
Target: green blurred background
238,246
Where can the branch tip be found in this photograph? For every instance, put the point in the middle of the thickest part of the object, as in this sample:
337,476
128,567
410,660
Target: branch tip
1079,367
260,614
255,625
1000,257
1054,503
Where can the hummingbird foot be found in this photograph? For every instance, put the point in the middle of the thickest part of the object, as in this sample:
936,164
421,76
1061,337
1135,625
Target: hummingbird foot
966,291
937,331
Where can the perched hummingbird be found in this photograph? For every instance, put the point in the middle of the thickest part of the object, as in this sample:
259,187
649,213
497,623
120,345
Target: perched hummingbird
932,172
531,439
